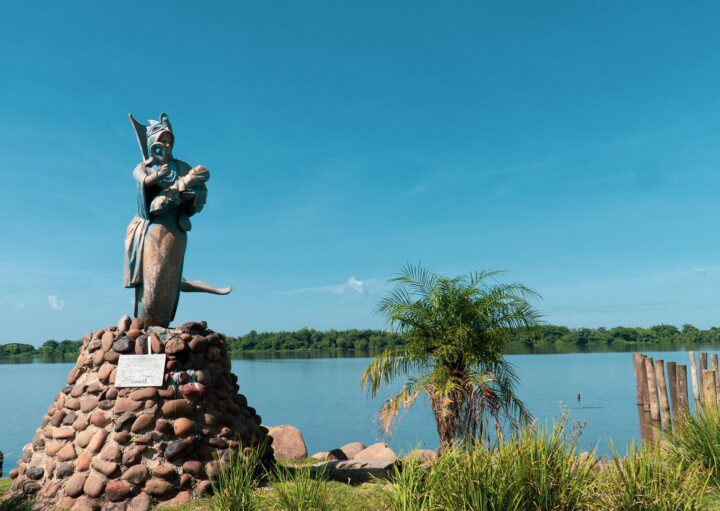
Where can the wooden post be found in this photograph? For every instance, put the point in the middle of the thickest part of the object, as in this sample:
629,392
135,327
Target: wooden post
652,389
682,389
672,383
694,375
638,367
662,390
643,377
709,394
703,368
714,367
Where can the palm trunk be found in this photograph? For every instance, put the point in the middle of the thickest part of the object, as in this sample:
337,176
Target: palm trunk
444,423
447,412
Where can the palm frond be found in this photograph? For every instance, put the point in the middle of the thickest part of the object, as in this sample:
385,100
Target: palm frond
386,367
401,401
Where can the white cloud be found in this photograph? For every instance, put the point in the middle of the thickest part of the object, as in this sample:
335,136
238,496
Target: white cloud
54,303
356,284
353,285
699,270
20,306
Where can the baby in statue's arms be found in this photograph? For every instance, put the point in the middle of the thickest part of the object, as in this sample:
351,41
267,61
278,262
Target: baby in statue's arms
191,184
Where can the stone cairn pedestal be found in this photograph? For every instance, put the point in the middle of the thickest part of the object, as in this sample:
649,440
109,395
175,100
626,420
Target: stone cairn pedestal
100,447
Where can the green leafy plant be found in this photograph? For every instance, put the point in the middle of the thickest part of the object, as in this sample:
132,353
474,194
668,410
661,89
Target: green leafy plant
649,480
695,438
455,331
301,489
409,489
468,478
546,469
15,505
236,481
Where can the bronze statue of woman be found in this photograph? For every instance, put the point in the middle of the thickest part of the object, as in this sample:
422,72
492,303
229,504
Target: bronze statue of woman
169,192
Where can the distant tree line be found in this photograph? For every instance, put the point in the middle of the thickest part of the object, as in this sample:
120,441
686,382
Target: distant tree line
49,349
308,339
659,334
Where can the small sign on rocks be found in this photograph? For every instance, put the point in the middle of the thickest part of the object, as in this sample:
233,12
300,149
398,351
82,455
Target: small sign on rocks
140,371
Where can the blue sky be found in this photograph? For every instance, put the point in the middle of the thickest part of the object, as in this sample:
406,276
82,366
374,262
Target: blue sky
574,144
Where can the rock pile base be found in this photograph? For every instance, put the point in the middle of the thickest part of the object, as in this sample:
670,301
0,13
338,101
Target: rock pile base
102,447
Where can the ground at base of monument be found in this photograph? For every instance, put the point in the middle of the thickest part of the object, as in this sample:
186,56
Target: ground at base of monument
341,497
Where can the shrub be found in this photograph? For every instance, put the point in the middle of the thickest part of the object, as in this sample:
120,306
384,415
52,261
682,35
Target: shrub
409,490
649,480
470,479
695,438
236,481
298,489
546,471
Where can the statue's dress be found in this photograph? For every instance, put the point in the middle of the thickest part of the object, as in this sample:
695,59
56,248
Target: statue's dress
155,249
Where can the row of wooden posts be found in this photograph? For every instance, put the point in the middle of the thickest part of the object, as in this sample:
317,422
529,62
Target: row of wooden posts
653,384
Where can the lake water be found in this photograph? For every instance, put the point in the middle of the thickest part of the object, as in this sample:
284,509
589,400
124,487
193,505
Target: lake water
321,396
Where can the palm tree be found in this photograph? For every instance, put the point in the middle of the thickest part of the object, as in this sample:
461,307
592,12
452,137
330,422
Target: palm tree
456,330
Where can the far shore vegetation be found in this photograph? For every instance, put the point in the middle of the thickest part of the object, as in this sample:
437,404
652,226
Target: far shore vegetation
374,341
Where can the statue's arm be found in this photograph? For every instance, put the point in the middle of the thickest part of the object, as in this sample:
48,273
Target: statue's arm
149,177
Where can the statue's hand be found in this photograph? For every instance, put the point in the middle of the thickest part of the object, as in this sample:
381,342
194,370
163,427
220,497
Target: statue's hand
163,171
155,176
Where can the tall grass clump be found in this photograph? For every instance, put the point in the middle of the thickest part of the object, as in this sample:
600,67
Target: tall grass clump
298,489
647,479
409,490
468,478
695,438
535,469
15,504
236,481
545,468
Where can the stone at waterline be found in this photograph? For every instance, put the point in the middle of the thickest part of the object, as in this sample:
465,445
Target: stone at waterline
377,461
334,455
351,449
288,442
379,451
421,456
129,438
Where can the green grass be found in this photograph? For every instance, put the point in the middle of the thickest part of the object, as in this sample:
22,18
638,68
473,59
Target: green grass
695,437
235,484
536,469
340,496
6,504
648,479
297,489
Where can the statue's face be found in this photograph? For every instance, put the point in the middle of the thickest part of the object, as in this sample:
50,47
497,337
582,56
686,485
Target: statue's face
161,150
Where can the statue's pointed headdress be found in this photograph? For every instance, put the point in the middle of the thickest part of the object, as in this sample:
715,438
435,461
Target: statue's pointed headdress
148,135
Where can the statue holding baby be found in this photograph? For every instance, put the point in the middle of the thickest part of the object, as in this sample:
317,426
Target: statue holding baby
169,192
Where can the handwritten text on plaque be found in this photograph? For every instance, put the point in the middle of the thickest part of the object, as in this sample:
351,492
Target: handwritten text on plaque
140,371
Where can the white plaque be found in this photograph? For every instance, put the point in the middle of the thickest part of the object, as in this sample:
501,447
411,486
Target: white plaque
140,371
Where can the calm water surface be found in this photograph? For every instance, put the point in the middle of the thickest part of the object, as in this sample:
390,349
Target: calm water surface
321,396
